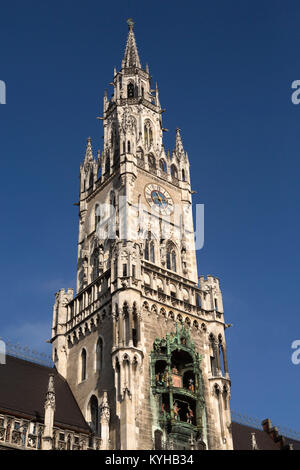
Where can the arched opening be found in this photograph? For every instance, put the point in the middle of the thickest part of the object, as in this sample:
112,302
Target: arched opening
149,252
128,146
83,365
140,153
94,413
174,171
151,162
183,175
91,180
161,373
163,165
130,90
99,354
107,165
158,439
97,216
171,258
112,203
135,329
189,381
126,323
213,356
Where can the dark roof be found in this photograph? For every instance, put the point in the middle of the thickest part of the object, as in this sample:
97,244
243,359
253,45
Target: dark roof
241,435
23,388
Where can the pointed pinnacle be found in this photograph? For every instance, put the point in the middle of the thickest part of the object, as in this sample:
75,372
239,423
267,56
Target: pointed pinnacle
178,145
131,56
89,151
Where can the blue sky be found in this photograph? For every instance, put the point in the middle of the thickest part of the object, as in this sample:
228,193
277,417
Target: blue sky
224,71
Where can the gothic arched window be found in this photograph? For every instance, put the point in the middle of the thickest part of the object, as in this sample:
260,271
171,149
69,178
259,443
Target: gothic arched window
112,202
140,153
97,216
128,146
163,165
183,175
148,134
171,258
99,354
83,365
174,171
158,440
91,180
107,165
94,413
149,253
130,90
151,161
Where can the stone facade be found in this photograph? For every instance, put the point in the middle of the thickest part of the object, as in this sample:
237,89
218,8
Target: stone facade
137,284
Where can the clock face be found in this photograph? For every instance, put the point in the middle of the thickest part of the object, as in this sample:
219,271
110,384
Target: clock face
159,199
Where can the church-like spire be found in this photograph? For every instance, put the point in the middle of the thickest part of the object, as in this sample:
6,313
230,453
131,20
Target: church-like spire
131,56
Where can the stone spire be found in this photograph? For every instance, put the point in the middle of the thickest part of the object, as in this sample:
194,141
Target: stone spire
131,56
89,152
49,414
179,151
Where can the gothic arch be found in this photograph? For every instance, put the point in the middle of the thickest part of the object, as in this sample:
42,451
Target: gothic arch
150,247
99,353
163,312
140,153
172,257
82,372
171,315
151,161
179,318
92,413
107,164
174,171
130,90
163,165
154,309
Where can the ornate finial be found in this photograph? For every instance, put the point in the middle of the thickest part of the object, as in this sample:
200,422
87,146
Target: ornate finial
130,23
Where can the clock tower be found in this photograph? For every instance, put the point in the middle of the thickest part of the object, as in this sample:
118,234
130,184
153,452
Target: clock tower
142,341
